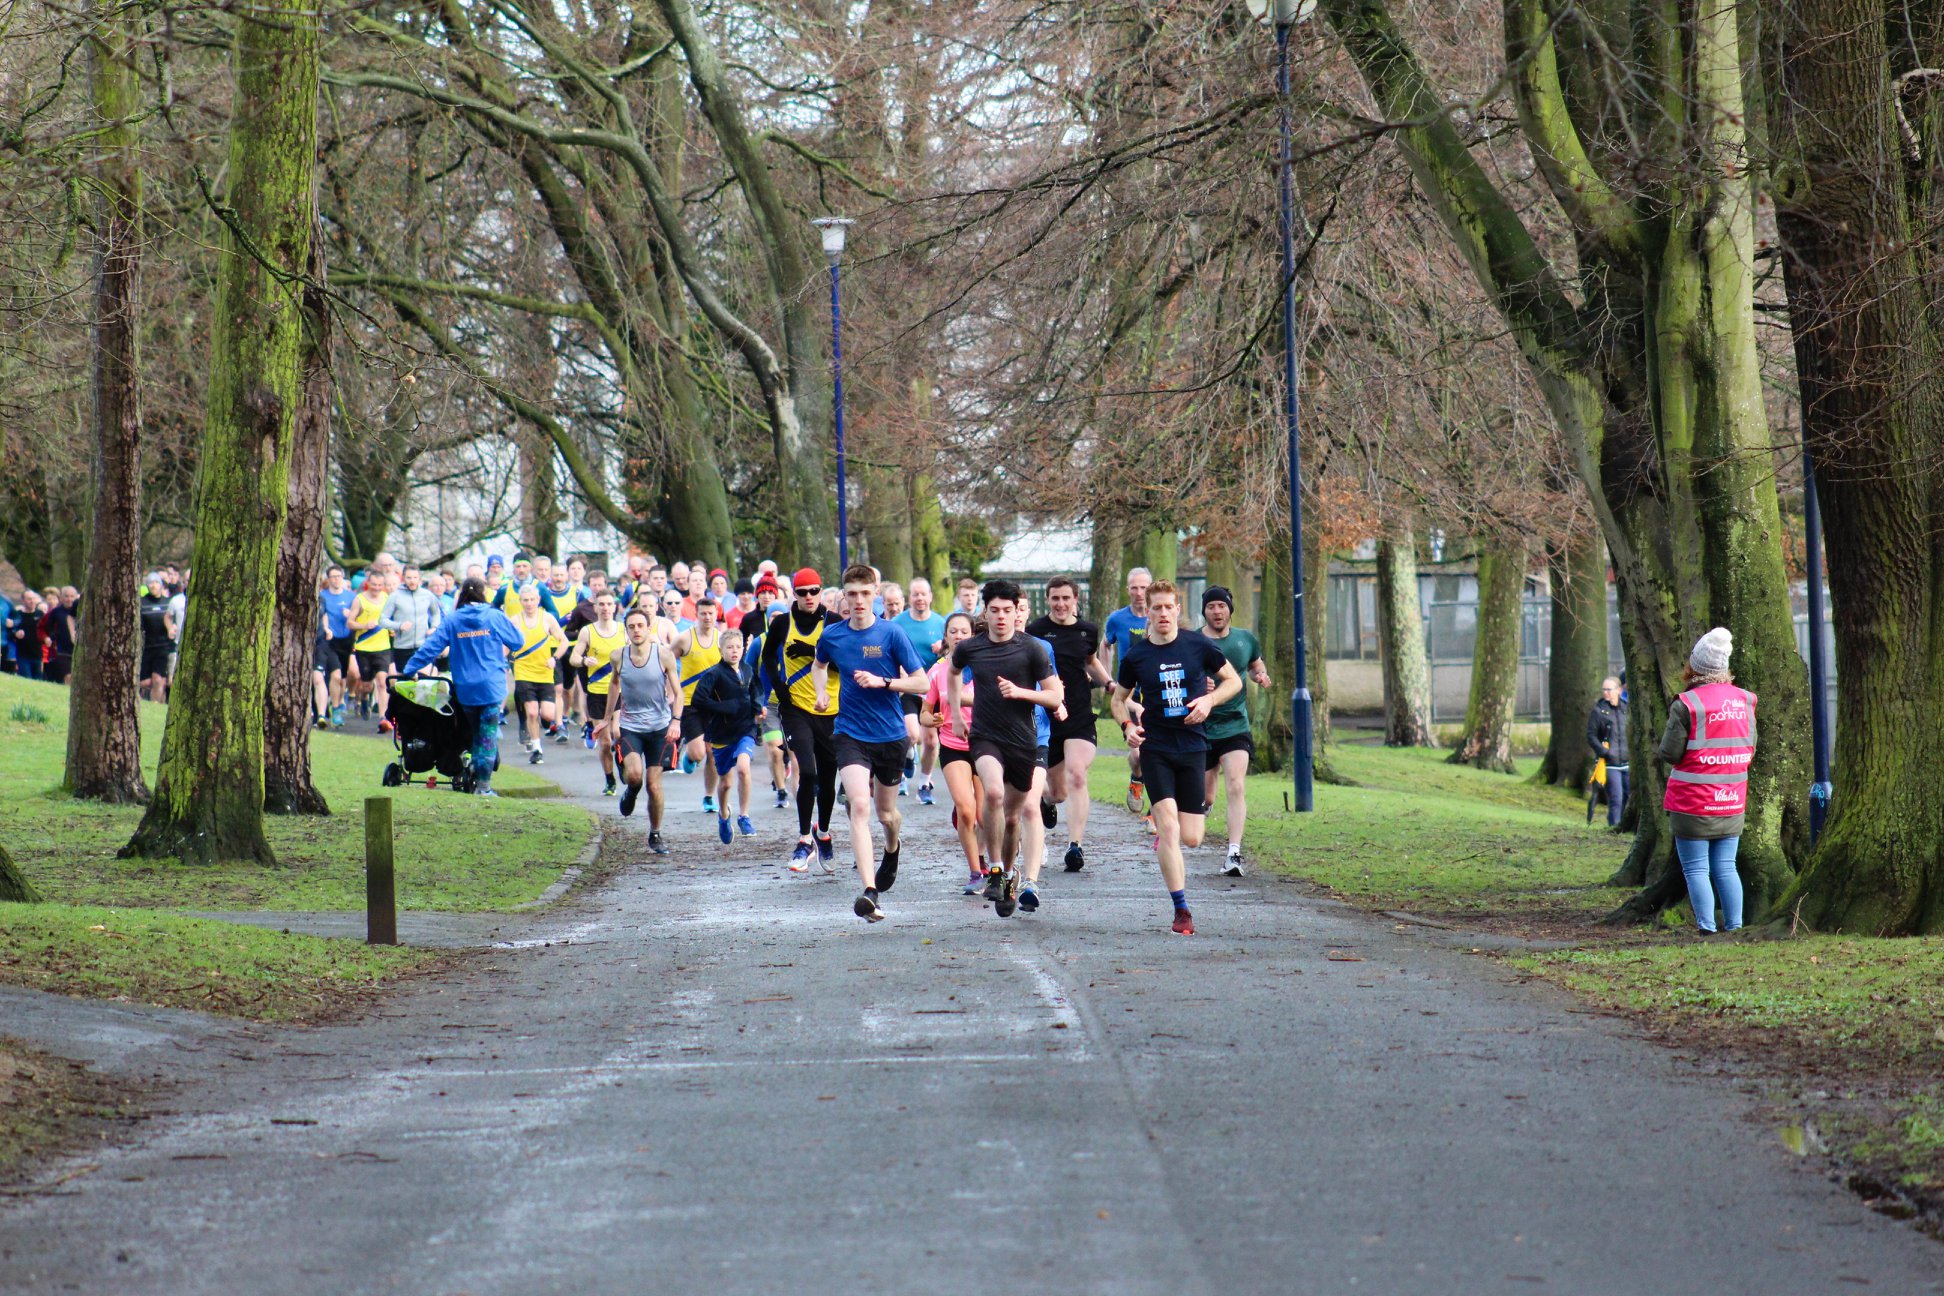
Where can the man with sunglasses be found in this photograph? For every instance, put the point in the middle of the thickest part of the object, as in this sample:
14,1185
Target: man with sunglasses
809,729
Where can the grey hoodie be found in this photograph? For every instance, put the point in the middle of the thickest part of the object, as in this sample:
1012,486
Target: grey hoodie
411,615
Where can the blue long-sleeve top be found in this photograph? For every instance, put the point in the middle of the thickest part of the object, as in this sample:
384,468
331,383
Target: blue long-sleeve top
476,639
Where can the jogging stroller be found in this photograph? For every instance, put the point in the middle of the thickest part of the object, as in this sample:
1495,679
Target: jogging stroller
432,736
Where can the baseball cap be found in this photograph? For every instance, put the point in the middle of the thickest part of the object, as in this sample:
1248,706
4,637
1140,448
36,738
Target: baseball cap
806,577
1216,594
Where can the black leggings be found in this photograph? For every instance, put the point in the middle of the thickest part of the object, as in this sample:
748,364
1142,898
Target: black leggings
812,740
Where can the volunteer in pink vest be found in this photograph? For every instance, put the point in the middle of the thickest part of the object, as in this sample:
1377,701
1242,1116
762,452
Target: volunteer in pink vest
1709,742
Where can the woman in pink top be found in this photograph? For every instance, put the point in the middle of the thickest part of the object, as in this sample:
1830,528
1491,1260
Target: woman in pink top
954,760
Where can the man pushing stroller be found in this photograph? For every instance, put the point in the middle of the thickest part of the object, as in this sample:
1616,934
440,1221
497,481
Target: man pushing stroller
475,638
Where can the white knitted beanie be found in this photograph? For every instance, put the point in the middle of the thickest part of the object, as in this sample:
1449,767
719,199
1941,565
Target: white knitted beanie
1711,650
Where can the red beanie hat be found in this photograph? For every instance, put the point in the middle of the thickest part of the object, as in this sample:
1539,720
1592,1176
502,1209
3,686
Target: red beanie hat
805,576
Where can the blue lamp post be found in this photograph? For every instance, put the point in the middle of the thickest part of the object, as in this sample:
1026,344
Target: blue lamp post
1819,726
833,229
1283,15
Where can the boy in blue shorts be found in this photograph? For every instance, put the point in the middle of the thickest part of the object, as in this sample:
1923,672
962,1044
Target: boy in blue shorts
730,711
875,665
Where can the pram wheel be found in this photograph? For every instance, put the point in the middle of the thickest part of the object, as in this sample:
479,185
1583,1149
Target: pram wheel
393,776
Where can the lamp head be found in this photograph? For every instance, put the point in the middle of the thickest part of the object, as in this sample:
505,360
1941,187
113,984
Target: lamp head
833,229
1281,13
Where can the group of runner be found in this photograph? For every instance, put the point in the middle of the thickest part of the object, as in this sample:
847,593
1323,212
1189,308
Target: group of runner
864,689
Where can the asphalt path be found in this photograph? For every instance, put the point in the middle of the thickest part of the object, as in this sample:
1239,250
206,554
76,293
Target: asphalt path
708,1076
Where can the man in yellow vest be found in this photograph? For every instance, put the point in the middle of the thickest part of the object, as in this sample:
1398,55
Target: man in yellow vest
698,648
594,652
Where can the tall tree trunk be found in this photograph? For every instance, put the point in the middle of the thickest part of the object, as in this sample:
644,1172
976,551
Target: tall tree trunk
208,802
931,552
104,747
1400,644
1579,654
1487,740
1857,202
1276,631
1158,550
539,495
884,518
14,888
287,785
1107,577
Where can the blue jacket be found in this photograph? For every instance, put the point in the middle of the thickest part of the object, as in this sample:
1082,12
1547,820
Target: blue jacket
476,639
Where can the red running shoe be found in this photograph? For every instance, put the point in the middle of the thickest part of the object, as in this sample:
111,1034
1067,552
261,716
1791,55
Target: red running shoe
1184,923
384,726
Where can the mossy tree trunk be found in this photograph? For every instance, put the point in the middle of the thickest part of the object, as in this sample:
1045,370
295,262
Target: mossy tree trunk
287,784
1155,548
884,520
1578,659
1107,577
1857,199
208,802
1487,740
931,551
1400,644
14,888
1316,626
104,746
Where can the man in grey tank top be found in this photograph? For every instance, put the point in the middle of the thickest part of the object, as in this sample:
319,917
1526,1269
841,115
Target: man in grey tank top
645,703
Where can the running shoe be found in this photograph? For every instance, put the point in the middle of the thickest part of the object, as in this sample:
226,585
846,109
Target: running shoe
587,734
745,827
1049,815
384,726
826,849
782,799
487,792
925,796
911,767
337,716
656,844
887,870
1184,923
560,735
1147,822
533,756
904,787
708,804
1135,793
800,857
866,907
1029,899
975,884
722,830
688,763
1008,895
611,788
1233,866
994,883
628,797
1076,859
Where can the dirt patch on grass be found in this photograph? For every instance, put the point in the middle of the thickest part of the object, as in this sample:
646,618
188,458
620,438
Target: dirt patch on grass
49,1105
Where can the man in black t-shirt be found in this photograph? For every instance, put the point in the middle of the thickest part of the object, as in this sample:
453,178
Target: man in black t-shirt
1004,735
1172,670
1070,753
157,643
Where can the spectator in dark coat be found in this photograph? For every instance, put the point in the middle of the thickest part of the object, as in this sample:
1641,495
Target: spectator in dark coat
1606,736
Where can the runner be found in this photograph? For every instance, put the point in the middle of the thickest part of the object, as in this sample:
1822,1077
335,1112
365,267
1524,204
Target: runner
1003,737
593,655
968,596
509,593
648,703
789,651
875,663
890,601
412,613
533,667
1071,746
1124,626
153,676
1171,671
371,643
954,756
699,649
771,731
925,628
560,596
727,700
1230,744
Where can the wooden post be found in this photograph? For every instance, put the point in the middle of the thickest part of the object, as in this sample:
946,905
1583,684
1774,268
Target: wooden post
381,904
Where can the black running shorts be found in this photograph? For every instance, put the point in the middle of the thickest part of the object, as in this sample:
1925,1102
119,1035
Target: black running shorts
155,661
1080,727
1015,763
525,691
692,725
1220,747
646,744
373,664
1177,777
597,706
885,760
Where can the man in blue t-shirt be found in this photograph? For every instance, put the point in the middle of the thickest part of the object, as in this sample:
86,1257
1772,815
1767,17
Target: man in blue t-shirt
926,630
1173,671
875,663
336,598
1122,627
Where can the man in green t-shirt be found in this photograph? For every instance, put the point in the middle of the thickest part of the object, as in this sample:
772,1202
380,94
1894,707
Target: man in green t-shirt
1229,742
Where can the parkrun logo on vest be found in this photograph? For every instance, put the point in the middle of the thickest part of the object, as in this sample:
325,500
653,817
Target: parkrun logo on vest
1734,709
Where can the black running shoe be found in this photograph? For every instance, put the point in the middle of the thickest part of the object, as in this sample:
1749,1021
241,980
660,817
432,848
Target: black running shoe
866,907
1048,814
1008,895
628,795
1076,859
887,871
656,844
995,880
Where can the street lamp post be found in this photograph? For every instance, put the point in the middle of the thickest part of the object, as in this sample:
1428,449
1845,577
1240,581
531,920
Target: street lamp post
833,229
1819,727
1283,15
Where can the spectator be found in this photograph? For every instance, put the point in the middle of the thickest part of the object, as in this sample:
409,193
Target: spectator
1606,737
23,634
478,636
57,629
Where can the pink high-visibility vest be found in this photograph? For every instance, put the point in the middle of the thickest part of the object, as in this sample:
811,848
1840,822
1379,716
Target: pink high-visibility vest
1711,777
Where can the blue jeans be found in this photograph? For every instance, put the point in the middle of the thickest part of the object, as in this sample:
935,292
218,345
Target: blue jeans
485,748
1616,794
1709,867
